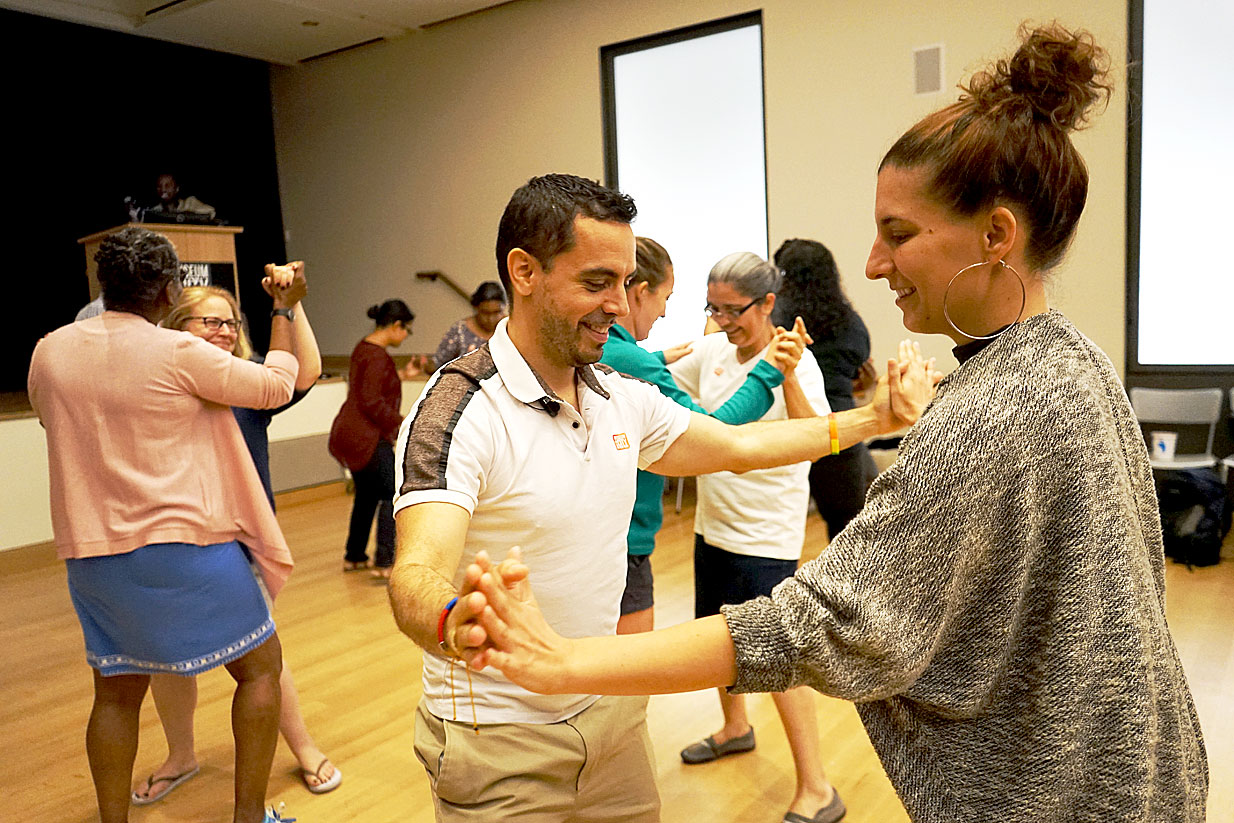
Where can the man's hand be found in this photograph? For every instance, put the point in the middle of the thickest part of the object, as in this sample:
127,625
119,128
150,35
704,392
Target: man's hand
463,633
867,380
903,393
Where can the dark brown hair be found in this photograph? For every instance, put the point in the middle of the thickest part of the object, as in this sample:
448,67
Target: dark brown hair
539,219
1006,139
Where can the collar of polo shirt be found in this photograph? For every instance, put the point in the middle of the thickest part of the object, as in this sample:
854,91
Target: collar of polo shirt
523,382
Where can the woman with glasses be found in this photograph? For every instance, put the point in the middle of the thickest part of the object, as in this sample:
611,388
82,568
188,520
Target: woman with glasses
153,494
363,433
647,294
749,528
212,314
473,331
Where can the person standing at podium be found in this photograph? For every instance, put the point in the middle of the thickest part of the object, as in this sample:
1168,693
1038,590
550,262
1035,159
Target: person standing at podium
170,201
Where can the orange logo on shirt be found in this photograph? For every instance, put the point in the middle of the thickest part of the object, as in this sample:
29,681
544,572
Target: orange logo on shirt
621,441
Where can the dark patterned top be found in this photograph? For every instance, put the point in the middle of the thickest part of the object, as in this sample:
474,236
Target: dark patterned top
458,340
997,609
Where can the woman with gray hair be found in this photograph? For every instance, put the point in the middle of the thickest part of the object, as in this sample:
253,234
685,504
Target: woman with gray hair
749,528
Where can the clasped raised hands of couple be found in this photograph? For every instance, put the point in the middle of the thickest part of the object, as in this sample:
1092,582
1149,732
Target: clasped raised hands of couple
285,284
496,621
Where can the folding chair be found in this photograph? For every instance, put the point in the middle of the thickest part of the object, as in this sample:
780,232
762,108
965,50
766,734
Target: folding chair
1172,409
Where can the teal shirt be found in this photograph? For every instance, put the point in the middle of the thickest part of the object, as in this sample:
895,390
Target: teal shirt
750,402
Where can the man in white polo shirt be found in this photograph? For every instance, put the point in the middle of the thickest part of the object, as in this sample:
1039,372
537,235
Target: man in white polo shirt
524,442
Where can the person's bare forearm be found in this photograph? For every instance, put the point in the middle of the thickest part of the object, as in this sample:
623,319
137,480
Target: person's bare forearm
305,348
779,442
280,332
429,541
417,595
764,444
686,657
795,401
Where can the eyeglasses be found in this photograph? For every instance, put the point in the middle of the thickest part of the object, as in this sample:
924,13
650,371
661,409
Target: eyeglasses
216,323
730,312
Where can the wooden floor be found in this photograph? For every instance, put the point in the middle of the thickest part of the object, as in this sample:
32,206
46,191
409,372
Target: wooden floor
360,680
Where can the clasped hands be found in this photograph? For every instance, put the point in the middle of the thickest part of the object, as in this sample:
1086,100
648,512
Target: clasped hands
900,395
286,284
497,623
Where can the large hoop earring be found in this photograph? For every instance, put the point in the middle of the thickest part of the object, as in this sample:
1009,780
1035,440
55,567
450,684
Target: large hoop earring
1023,301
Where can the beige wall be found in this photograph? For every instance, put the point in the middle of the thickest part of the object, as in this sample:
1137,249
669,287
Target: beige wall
399,157
298,457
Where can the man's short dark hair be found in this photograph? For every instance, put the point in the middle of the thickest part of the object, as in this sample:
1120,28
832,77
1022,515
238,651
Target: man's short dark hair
539,219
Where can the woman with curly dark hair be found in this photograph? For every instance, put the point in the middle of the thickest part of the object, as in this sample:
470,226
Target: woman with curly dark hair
811,290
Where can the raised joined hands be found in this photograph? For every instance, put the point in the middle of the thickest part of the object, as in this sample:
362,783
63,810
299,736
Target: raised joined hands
784,351
286,284
902,394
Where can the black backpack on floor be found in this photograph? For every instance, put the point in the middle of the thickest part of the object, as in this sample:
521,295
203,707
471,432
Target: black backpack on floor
1195,515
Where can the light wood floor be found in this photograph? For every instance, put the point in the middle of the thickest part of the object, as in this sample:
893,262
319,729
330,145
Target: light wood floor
360,680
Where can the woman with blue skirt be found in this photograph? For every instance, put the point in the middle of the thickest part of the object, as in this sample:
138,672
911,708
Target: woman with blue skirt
157,510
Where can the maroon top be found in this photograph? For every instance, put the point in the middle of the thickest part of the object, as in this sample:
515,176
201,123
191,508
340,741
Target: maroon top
371,411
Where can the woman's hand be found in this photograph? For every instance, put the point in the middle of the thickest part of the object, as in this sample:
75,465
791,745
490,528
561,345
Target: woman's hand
462,634
518,641
903,393
675,353
418,366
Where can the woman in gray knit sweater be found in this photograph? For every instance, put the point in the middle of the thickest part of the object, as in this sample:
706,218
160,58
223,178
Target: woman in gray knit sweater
997,609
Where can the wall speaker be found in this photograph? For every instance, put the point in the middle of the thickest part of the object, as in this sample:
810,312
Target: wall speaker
928,70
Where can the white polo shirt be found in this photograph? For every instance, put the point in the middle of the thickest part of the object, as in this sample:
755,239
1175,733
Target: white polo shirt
760,513
487,435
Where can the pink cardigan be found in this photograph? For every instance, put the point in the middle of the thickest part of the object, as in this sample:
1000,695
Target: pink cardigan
142,445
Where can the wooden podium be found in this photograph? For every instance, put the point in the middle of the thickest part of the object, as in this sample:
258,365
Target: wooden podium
194,244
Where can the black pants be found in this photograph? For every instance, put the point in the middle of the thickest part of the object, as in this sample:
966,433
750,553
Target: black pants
838,485
374,494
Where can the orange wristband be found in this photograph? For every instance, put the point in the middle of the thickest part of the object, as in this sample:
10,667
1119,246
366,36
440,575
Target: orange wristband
835,433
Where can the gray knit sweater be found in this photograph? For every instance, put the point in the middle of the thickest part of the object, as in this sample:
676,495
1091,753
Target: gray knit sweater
997,609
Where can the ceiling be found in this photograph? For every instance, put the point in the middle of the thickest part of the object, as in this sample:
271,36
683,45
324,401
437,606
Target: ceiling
285,32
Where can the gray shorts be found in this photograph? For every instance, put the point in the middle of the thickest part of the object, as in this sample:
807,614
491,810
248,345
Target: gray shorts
638,595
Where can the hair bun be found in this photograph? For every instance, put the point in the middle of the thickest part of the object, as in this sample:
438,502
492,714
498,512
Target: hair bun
1059,75
373,311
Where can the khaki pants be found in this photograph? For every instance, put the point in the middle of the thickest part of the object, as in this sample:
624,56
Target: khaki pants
596,766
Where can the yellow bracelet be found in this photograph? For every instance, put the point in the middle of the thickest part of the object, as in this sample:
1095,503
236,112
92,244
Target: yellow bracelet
835,433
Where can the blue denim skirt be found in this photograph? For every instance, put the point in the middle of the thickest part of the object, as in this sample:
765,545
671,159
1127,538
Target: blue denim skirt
168,608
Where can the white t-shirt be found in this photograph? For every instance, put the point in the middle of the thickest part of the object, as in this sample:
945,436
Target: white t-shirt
760,513
487,435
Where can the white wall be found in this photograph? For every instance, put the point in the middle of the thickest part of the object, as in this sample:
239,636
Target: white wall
400,156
